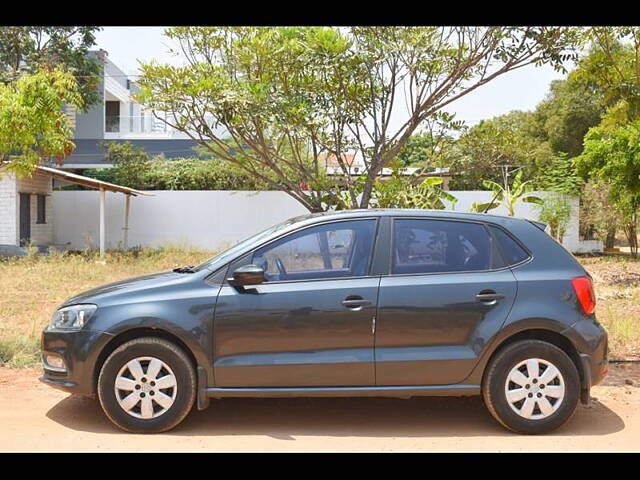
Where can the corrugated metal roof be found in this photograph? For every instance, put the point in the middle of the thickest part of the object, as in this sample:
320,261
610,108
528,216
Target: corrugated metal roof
90,182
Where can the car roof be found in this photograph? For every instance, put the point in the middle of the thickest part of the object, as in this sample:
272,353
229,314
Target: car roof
403,212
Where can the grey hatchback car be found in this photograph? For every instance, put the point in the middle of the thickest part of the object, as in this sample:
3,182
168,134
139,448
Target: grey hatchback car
397,303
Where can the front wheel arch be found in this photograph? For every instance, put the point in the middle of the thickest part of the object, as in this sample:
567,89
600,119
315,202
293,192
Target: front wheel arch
132,334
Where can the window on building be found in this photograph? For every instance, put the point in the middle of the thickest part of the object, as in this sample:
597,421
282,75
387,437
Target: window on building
112,116
42,209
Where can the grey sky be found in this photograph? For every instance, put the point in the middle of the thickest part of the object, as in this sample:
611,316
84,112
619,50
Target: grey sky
522,89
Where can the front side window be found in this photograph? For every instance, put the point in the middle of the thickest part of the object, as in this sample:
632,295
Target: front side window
341,249
432,246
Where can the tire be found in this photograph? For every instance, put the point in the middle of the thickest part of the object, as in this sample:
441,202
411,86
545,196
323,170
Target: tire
518,414
161,409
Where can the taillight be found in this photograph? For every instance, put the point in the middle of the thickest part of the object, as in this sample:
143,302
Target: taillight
584,291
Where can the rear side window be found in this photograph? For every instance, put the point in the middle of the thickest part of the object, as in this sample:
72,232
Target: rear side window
433,246
512,253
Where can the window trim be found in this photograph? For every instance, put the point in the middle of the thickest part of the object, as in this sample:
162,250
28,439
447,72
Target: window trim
477,222
516,240
252,252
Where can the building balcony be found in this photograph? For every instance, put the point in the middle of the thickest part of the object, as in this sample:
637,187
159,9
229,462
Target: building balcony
138,127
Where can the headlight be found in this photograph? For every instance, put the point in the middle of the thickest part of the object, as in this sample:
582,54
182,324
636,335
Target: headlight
73,317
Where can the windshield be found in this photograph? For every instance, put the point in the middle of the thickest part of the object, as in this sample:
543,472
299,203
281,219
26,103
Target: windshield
226,255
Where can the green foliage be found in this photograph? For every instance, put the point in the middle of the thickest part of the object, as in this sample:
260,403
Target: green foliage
599,216
612,69
434,145
555,211
507,196
32,123
426,195
568,111
288,96
613,155
133,168
561,176
509,139
130,163
193,174
25,50
397,191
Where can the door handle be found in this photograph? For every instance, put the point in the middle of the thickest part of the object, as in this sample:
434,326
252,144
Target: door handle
489,296
355,302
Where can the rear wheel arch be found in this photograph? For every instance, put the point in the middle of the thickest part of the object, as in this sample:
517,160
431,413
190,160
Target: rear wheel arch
550,336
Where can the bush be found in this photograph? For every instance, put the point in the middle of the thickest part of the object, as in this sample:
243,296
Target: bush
132,169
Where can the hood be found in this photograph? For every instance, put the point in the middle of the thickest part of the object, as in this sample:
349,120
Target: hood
130,285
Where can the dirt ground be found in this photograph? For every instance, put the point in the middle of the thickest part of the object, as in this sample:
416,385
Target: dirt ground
35,417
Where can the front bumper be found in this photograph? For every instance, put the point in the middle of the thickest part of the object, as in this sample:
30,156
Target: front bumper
79,350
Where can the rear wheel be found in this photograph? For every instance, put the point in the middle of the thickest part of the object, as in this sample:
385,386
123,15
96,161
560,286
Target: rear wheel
147,385
531,387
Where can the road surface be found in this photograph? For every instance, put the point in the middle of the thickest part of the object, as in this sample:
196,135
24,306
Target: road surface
35,417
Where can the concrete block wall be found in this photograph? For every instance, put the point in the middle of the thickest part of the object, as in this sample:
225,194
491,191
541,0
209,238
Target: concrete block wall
211,220
8,209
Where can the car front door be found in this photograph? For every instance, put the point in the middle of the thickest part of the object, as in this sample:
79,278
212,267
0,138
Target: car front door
310,323
441,302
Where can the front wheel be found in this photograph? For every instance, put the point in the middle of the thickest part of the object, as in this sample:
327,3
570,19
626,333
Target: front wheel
531,387
147,385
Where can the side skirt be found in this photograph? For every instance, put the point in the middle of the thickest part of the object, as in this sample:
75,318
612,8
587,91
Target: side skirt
390,391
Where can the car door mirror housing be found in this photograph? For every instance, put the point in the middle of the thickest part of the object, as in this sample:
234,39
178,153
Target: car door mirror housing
247,275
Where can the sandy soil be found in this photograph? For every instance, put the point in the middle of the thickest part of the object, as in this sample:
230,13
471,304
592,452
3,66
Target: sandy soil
35,417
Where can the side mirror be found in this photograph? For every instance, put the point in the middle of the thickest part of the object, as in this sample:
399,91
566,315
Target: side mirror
247,275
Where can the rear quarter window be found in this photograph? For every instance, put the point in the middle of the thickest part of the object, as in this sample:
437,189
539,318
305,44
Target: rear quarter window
510,250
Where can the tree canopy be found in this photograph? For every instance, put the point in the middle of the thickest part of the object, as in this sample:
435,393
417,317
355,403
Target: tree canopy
33,124
278,101
27,49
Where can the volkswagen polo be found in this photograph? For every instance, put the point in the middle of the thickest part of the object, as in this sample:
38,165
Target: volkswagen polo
392,303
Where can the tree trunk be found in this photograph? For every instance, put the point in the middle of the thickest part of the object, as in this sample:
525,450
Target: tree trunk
610,241
632,238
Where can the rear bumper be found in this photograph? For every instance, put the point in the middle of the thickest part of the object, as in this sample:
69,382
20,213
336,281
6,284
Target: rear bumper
594,367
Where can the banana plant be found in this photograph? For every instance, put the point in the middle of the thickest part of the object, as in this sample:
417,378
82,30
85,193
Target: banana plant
428,195
507,196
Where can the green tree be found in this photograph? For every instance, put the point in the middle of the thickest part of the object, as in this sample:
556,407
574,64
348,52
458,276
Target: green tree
599,216
32,123
508,139
434,145
568,111
27,49
561,176
287,97
130,163
613,155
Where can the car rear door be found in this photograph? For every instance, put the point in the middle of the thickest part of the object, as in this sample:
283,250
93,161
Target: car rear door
441,302
310,323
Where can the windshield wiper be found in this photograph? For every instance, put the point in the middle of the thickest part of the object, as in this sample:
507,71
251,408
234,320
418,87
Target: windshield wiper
187,269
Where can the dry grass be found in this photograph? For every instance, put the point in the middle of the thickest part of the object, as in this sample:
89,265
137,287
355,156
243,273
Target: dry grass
32,287
617,286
